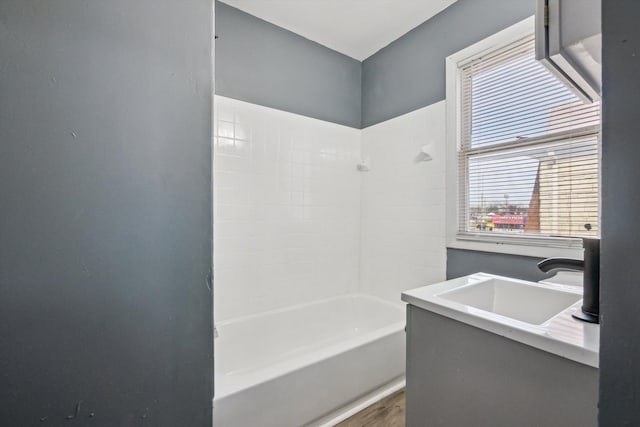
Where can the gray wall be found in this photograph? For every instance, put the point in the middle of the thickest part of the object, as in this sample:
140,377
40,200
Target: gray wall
105,231
410,72
463,262
261,63
303,77
620,270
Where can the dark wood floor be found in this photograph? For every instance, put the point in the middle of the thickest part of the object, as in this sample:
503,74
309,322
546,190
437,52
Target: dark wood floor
389,412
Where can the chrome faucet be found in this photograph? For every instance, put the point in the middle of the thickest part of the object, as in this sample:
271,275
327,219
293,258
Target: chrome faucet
590,311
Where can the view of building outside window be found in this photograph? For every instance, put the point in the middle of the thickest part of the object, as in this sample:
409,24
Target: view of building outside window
529,151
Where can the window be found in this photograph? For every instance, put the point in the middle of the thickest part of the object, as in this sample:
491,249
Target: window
528,149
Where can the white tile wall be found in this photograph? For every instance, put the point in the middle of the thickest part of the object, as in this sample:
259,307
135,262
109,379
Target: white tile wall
295,221
287,209
403,204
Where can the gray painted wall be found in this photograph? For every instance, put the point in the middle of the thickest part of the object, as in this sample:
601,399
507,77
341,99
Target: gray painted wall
619,268
463,262
261,63
410,72
304,77
105,231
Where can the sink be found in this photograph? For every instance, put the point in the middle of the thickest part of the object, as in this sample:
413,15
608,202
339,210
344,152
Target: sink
529,302
536,314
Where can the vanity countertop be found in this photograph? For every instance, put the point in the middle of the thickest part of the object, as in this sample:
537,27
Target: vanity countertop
561,335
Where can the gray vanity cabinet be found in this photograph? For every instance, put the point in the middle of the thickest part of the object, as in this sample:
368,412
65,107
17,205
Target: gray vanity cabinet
460,375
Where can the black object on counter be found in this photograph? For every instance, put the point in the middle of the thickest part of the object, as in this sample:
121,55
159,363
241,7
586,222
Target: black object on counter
590,311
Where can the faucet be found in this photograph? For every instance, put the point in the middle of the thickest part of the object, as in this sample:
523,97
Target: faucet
590,311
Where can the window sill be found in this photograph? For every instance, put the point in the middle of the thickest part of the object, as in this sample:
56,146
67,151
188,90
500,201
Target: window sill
542,247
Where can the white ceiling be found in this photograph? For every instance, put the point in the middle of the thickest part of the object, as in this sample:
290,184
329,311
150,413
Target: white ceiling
358,28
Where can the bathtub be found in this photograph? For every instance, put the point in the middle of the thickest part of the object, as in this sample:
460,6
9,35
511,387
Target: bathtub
299,365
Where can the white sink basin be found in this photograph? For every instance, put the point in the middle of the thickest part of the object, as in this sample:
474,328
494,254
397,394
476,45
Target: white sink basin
524,301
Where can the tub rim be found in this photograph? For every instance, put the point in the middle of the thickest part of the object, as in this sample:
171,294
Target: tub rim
227,385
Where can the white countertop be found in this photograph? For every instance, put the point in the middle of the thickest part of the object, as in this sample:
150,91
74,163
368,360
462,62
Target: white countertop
561,335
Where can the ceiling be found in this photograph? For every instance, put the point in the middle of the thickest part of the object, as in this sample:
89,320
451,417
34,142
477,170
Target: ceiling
357,28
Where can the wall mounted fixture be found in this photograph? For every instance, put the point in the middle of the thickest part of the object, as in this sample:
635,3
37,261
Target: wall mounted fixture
364,165
423,155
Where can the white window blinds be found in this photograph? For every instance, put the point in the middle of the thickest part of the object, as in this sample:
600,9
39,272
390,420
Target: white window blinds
529,149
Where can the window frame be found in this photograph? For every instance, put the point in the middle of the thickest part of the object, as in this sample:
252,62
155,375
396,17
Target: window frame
538,246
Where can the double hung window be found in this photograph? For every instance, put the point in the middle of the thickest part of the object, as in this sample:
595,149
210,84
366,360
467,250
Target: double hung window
528,149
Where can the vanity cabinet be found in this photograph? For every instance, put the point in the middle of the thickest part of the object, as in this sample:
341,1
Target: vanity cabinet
461,375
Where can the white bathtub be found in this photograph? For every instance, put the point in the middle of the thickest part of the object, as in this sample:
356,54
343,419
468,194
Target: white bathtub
293,366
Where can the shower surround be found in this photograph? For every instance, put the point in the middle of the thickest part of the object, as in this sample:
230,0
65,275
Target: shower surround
310,257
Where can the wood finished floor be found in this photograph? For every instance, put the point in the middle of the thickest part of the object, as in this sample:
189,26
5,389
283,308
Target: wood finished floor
389,412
